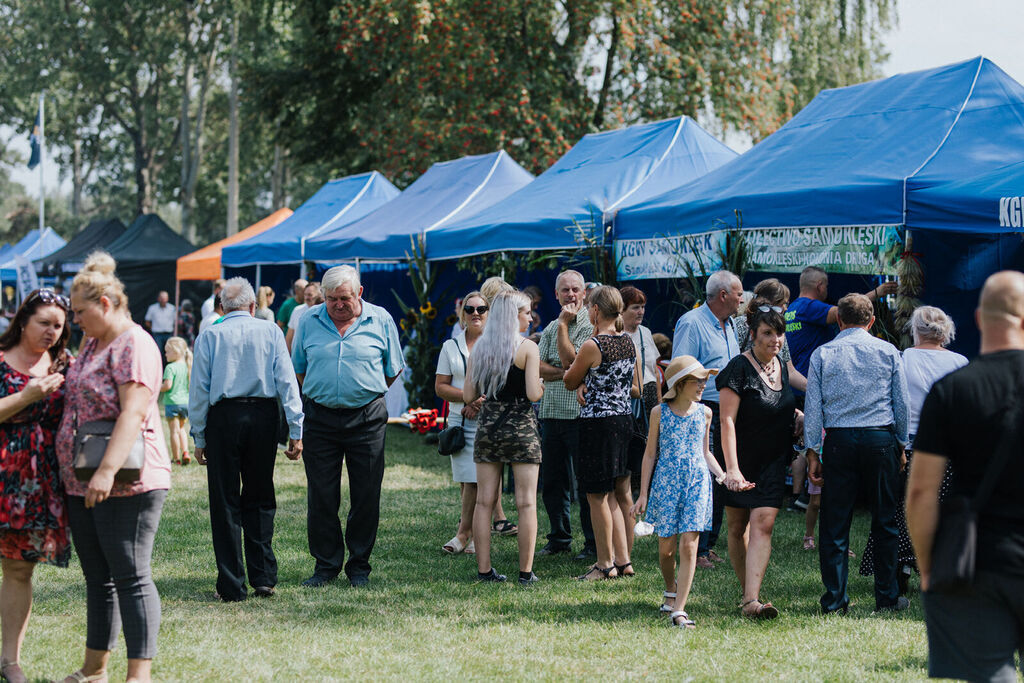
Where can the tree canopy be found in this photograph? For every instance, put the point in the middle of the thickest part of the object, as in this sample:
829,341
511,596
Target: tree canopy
140,106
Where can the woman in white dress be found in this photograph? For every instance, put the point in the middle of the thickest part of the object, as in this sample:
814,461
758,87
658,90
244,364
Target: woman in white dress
451,374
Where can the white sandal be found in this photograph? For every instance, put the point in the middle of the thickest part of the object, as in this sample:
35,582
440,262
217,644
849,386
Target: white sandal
454,546
684,620
665,607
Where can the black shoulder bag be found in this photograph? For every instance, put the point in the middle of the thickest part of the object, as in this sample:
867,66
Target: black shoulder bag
956,538
452,439
638,439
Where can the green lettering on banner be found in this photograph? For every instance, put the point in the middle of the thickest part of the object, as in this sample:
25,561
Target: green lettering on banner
858,250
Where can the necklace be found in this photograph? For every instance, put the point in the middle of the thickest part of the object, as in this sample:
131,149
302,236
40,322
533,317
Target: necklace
768,370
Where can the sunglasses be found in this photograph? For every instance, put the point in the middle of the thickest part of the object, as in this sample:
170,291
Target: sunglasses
700,382
470,310
48,296
765,309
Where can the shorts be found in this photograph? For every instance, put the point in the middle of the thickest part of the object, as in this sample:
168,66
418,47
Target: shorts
176,410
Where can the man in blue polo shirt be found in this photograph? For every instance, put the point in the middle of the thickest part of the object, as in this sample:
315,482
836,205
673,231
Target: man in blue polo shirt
810,322
346,354
707,334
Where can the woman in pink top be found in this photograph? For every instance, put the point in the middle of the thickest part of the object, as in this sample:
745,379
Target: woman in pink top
117,378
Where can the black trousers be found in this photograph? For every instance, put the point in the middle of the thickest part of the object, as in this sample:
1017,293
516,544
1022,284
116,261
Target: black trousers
354,437
241,446
560,446
854,460
708,539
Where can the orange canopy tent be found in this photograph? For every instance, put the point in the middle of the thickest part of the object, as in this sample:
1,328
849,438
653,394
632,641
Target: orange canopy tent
204,264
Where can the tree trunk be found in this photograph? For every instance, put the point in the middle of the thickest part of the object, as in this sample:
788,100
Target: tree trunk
76,179
279,178
232,227
609,64
185,198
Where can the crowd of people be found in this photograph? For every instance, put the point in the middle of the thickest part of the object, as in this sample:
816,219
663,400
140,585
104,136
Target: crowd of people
649,435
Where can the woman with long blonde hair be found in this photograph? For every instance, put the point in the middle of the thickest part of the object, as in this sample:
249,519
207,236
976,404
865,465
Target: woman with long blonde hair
505,368
264,300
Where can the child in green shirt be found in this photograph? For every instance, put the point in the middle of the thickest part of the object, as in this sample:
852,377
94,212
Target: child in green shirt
175,395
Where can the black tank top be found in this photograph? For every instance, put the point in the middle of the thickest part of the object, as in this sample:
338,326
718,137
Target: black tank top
514,390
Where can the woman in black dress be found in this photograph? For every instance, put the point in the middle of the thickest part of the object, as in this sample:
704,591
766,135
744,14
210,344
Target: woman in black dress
759,419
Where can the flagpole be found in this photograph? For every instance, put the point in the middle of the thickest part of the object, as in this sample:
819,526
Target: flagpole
42,162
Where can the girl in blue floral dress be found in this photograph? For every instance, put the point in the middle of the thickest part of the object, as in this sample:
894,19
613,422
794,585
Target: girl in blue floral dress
675,480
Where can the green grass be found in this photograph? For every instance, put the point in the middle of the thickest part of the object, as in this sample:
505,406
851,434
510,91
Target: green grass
423,617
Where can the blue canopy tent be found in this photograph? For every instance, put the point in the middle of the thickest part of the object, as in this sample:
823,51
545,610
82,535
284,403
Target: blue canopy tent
602,173
337,203
34,245
986,203
852,155
838,180
448,191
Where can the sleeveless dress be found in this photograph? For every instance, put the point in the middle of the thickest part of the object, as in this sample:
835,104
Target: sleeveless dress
507,428
680,494
764,433
33,518
606,419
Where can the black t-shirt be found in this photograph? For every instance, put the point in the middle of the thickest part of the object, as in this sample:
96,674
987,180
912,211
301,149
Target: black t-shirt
764,421
962,420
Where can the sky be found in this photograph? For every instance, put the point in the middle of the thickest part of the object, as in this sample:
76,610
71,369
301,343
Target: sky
930,33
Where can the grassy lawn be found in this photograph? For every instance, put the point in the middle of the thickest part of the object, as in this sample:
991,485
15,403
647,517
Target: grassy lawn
423,617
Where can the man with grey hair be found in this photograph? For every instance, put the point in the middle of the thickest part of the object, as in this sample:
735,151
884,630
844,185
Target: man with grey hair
559,417
707,333
346,353
240,371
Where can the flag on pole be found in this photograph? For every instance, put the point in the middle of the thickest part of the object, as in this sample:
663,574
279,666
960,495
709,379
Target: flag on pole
27,280
33,140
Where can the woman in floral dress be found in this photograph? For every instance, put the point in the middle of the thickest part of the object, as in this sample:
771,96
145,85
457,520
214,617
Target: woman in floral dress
33,521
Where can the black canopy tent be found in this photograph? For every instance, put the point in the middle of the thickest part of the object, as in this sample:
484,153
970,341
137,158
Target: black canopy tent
98,234
147,260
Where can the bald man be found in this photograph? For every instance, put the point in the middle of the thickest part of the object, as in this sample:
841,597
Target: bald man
970,417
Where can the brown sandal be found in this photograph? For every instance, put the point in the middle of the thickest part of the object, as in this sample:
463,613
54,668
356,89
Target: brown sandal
764,610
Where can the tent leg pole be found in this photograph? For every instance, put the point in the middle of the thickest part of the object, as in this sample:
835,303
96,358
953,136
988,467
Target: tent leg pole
177,304
259,275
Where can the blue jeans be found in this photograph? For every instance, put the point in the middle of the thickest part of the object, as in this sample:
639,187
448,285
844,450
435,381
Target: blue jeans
858,459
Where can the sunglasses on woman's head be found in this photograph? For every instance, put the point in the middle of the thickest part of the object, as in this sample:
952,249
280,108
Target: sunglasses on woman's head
470,310
48,296
765,309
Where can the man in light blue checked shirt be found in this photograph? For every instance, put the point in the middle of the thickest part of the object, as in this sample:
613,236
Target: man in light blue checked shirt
240,372
856,393
346,353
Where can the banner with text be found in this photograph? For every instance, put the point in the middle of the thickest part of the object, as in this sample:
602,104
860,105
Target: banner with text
859,250
664,257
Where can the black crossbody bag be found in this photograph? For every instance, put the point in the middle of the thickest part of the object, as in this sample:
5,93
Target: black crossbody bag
954,551
452,439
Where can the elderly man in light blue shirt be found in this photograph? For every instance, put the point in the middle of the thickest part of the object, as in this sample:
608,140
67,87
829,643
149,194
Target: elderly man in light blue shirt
346,353
707,333
240,371
857,393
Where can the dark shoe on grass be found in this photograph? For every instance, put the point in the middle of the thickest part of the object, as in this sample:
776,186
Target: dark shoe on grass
263,591
901,604
359,581
491,577
318,581
218,596
553,549
588,554
503,527
527,580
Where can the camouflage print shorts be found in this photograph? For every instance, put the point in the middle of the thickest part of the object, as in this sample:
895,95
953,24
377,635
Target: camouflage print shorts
507,432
